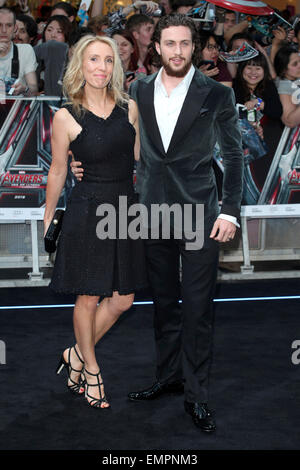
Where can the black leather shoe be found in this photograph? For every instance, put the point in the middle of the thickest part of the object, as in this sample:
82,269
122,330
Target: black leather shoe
201,416
156,391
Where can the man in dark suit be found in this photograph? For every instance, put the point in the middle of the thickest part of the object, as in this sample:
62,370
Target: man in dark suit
182,114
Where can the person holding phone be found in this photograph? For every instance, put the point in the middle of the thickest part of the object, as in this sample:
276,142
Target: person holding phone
129,56
209,61
255,89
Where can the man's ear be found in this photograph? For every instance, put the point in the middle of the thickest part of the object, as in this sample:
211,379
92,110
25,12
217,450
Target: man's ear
135,34
157,47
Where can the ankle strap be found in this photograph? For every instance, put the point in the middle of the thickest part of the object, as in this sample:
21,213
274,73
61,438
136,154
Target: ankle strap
74,347
90,373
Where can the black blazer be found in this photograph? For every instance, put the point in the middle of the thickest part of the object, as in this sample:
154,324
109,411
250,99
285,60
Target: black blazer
184,173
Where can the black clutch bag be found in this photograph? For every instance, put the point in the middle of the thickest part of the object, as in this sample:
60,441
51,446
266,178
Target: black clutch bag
53,231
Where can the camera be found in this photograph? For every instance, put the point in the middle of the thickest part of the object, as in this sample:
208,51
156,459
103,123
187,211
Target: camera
116,21
157,13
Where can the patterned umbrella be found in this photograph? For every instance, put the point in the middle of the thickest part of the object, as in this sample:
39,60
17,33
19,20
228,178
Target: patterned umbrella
251,7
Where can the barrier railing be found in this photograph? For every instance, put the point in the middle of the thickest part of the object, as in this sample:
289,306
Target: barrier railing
270,229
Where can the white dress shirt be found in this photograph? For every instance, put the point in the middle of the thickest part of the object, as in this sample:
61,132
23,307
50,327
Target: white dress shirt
167,110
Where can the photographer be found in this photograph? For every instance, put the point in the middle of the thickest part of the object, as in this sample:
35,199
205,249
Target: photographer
227,26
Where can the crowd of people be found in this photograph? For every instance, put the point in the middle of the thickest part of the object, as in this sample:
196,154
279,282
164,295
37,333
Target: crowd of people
41,47
53,35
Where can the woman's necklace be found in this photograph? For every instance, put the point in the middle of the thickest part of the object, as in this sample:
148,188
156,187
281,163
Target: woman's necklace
104,115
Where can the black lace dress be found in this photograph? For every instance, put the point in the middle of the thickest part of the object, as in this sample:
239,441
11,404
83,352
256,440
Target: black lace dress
86,264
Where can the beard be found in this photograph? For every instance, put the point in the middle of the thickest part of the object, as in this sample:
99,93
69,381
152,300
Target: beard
179,73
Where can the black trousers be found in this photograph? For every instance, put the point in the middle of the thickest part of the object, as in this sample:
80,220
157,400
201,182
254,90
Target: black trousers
183,332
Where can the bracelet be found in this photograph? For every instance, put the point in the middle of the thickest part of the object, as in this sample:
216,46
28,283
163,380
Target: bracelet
135,7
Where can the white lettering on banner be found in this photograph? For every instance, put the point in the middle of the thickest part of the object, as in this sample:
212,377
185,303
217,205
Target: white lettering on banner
267,210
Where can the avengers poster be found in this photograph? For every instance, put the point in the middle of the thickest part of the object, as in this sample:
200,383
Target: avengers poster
25,152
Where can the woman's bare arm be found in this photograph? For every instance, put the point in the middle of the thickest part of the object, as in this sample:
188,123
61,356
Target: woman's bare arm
291,111
60,142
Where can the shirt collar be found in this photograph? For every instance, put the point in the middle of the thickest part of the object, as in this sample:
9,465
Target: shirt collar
183,85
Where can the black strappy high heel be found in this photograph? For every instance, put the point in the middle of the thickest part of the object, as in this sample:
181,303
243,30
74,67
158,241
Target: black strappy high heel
75,387
95,402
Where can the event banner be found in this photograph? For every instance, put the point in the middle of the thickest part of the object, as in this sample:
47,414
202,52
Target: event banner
25,154
272,164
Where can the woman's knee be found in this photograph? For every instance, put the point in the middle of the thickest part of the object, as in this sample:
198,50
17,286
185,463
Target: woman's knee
87,302
121,303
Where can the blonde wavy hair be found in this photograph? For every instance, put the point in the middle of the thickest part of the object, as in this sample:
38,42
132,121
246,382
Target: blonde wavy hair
73,88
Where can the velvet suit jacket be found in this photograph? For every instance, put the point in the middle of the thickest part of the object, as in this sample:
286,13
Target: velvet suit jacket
184,173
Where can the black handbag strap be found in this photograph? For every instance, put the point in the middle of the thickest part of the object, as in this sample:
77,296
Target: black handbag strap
15,66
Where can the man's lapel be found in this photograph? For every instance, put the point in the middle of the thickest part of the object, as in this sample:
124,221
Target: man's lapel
147,111
196,95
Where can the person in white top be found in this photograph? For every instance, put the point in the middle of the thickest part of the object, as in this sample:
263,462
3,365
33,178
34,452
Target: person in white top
17,61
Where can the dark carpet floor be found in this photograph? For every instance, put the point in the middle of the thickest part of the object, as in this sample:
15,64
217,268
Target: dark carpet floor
254,386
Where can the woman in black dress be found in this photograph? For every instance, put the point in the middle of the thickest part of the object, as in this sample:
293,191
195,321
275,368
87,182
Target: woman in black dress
100,127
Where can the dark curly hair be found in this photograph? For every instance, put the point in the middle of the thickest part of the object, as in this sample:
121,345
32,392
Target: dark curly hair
175,19
30,25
